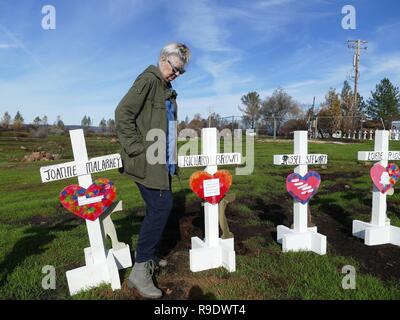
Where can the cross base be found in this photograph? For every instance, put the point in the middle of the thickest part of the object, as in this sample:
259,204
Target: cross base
203,257
94,274
310,240
375,235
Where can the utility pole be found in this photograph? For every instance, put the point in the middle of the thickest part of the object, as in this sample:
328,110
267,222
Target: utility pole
314,119
209,116
357,45
274,126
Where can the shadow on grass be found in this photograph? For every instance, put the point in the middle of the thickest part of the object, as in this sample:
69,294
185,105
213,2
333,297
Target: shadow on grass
336,212
34,243
196,293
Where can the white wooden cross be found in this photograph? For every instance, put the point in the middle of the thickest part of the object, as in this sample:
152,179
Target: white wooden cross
213,252
102,265
301,238
379,230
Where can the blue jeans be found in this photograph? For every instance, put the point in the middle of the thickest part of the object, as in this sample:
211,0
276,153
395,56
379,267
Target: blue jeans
158,208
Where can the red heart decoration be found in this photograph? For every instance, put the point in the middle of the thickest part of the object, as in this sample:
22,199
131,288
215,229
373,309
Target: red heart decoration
197,179
392,175
303,188
101,187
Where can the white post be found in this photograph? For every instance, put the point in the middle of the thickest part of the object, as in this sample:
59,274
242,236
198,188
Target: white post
365,135
93,227
209,148
378,231
301,238
370,134
213,252
299,209
379,199
101,264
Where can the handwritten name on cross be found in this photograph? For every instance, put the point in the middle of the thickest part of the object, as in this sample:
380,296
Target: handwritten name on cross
301,159
206,257
98,259
382,155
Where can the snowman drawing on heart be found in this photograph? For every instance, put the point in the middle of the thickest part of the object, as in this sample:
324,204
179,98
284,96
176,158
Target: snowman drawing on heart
385,180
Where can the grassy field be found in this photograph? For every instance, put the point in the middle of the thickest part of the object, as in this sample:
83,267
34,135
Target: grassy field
36,231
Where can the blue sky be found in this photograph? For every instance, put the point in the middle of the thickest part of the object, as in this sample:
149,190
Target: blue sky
90,60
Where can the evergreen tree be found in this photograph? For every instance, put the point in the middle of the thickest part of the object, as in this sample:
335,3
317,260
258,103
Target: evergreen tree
384,102
103,125
18,121
37,121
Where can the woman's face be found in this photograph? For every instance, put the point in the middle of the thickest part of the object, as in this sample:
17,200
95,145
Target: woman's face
171,67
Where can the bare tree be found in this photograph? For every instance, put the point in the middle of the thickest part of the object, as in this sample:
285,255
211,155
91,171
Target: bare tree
5,122
329,117
279,107
252,108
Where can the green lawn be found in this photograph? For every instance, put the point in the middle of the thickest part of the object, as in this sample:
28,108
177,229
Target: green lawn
36,231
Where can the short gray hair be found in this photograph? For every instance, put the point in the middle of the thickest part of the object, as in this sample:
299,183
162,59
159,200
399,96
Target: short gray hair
177,49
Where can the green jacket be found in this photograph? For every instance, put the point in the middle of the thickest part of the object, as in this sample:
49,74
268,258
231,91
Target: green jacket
140,110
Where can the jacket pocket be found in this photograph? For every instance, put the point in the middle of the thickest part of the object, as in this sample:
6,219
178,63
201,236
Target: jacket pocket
136,165
158,115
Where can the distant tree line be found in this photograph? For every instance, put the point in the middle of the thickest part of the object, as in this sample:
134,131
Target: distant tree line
278,112
338,112
40,126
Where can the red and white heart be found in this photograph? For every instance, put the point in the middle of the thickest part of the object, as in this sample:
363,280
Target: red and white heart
303,188
383,178
89,203
198,178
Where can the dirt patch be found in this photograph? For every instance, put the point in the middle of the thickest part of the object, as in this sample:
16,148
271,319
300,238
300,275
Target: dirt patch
178,282
382,261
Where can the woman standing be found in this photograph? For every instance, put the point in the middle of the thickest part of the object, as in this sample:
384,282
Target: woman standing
151,104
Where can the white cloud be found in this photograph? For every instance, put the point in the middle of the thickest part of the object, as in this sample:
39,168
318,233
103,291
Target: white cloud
8,45
19,44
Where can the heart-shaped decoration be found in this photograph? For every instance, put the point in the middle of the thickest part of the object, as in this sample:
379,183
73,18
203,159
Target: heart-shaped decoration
385,178
89,203
303,188
197,179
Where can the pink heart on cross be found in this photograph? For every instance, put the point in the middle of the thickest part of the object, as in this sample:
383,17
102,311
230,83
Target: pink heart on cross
303,188
384,178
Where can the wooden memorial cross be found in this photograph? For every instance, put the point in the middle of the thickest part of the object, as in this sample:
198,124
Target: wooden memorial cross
301,237
379,230
102,265
213,252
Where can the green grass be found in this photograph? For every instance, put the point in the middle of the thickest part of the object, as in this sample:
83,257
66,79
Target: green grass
35,231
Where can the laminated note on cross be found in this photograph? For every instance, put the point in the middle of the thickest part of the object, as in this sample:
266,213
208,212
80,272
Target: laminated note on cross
379,230
101,264
213,252
301,238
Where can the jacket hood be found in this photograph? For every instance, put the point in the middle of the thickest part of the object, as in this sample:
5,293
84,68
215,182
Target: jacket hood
154,70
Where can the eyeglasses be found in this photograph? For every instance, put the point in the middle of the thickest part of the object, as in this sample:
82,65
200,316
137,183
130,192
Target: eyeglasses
175,69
